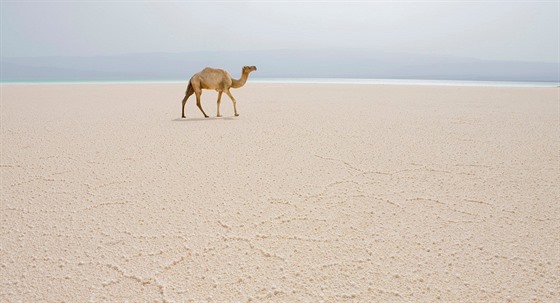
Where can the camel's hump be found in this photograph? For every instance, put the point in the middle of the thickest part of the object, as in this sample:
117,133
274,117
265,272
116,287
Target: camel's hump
210,73
212,70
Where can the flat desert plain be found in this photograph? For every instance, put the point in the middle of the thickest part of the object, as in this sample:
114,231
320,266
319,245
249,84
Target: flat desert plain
315,193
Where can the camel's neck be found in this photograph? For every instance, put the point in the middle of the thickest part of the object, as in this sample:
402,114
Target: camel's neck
238,83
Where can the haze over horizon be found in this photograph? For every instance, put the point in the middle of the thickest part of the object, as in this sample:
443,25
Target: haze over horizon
500,40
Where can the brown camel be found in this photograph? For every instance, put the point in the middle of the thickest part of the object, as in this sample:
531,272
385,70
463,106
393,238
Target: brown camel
218,79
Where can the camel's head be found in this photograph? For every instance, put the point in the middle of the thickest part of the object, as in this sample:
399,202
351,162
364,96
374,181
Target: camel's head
248,69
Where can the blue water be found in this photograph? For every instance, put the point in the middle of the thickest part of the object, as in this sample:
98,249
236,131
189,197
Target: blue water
328,81
408,82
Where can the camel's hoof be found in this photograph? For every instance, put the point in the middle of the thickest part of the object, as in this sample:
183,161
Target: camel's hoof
206,116
237,115
183,117
218,116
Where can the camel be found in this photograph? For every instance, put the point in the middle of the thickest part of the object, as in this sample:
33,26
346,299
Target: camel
218,79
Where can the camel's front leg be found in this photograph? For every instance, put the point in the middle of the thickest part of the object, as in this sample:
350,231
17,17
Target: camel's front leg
219,101
232,100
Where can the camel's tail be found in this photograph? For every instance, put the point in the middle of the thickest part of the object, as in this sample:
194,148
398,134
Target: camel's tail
190,90
188,93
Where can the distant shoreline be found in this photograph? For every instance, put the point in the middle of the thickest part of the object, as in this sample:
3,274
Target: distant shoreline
315,81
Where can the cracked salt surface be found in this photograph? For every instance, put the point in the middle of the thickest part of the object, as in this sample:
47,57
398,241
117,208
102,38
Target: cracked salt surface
425,194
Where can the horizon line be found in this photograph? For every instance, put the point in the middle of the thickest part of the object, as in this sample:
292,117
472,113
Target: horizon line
276,80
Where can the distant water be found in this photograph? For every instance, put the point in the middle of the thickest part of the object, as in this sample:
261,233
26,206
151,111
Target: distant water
328,81
406,82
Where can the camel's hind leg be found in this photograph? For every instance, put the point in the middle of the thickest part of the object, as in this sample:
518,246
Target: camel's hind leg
198,103
219,101
189,92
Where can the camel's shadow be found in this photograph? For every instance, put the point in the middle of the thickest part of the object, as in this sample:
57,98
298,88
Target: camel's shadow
203,119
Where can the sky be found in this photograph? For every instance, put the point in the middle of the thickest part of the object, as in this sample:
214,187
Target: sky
490,30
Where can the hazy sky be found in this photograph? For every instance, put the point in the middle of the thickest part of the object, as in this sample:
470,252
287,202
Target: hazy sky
508,30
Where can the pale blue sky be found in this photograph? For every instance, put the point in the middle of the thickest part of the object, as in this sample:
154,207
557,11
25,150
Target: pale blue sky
503,30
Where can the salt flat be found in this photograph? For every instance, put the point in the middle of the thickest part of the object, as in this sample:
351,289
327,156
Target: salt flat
316,192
